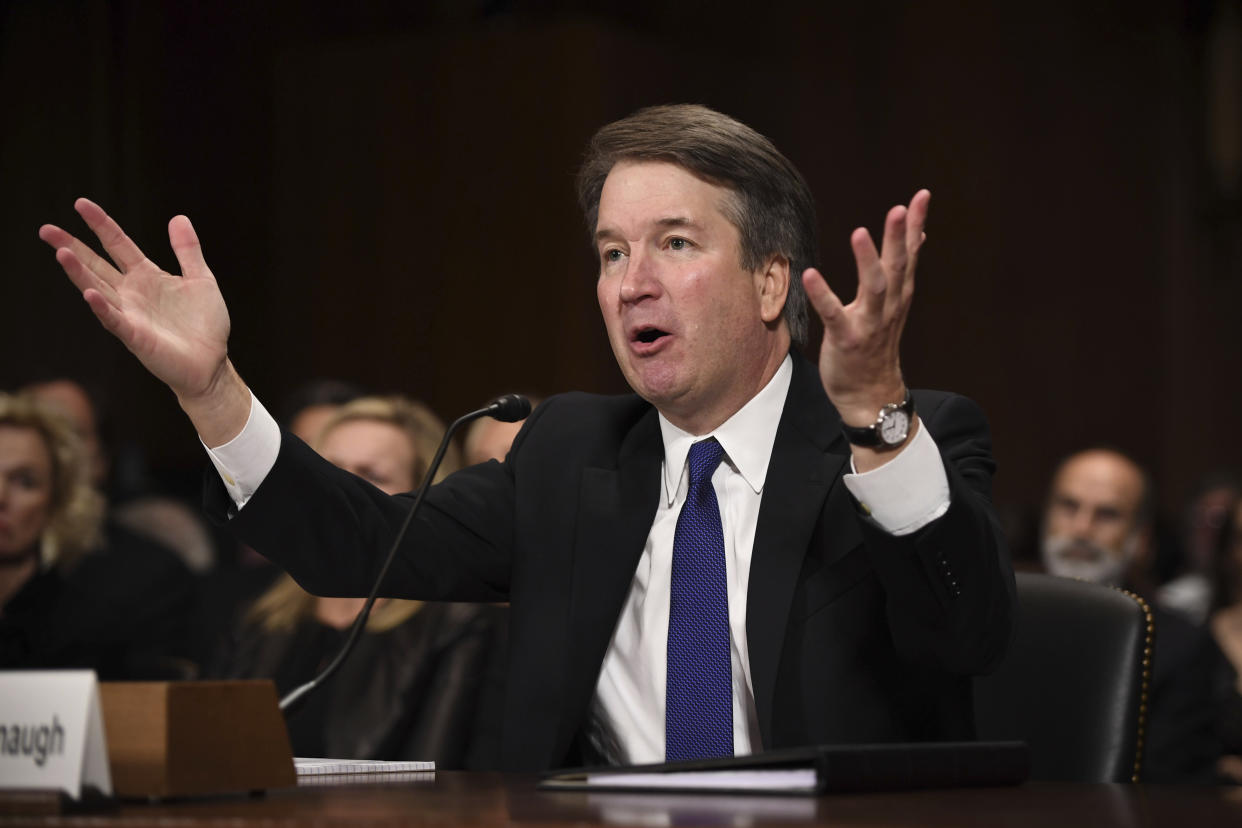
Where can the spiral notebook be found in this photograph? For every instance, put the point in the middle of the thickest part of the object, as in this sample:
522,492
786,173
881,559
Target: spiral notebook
336,767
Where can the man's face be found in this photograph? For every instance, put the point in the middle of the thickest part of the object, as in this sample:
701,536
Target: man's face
694,333
1091,529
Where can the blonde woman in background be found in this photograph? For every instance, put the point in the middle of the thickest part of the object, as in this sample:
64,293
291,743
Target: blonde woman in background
64,600
409,689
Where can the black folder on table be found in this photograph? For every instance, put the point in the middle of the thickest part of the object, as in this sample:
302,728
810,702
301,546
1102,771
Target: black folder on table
815,770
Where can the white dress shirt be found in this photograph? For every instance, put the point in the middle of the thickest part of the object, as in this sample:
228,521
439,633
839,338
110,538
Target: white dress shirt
627,715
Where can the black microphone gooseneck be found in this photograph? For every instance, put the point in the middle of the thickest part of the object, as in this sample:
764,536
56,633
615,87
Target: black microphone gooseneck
508,409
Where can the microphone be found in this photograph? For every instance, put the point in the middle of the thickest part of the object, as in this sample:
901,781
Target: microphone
508,409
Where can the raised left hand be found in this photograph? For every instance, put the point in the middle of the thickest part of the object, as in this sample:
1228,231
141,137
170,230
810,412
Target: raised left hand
859,361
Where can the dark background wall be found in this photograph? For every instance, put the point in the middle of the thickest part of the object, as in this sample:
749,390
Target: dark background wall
385,193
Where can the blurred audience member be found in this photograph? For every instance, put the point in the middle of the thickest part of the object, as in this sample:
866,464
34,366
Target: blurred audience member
1097,520
1097,527
75,404
173,525
241,578
167,521
1226,626
312,404
68,596
1206,518
489,439
408,691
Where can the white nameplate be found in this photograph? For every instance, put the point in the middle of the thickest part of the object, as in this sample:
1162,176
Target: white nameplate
51,732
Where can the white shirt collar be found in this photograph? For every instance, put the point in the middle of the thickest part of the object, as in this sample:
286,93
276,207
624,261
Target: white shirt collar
746,437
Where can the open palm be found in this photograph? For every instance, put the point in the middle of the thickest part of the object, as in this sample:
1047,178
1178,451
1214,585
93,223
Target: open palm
177,326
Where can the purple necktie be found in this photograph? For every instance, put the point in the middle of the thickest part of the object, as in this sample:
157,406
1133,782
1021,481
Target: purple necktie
698,715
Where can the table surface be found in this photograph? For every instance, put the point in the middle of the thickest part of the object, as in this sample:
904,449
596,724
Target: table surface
449,798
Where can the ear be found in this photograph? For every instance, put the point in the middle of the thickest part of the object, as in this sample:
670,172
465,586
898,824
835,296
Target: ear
772,284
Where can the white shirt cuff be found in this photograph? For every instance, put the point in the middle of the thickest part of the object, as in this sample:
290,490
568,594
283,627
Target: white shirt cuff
244,462
909,491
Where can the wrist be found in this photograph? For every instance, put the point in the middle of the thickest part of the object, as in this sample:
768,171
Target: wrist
860,409
889,431
220,412
869,459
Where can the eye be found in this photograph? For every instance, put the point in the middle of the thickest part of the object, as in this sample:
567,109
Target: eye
612,254
26,480
1109,513
678,243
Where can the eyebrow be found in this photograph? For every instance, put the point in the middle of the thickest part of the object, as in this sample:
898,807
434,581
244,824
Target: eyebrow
668,221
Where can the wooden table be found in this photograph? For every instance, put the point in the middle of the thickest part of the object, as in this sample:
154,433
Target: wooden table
477,799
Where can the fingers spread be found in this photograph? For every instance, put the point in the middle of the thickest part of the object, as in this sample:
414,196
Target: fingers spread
55,237
872,280
894,250
186,246
917,221
824,301
119,246
98,265
83,277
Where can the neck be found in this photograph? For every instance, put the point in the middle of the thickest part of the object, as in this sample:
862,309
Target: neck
699,421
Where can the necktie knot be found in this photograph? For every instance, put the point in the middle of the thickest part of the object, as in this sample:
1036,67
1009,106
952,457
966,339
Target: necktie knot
704,458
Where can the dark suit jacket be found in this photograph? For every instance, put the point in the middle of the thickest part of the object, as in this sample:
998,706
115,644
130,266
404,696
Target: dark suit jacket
123,610
1183,729
854,635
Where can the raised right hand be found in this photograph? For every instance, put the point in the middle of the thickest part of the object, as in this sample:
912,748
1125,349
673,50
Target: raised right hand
177,326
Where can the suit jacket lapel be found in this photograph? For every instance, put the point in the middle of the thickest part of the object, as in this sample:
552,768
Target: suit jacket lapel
807,461
615,512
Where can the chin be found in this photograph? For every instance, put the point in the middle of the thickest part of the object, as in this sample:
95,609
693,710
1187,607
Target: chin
656,385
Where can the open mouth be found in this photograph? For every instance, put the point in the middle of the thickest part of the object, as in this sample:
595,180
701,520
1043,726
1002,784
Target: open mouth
649,335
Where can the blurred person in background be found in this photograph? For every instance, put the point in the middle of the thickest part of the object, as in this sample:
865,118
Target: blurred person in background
409,689
1206,517
136,515
244,574
490,439
312,404
1098,527
68,599
1225,622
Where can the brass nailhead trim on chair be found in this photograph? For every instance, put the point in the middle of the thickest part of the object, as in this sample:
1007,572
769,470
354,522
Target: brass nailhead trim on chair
1149,635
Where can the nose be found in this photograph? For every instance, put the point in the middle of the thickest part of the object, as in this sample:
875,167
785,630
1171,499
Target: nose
1081,523
639,280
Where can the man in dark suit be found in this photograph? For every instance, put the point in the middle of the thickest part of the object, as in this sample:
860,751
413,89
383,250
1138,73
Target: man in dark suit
1098,526
749,554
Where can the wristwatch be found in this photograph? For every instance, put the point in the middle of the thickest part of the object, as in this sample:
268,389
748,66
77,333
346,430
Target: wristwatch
890,429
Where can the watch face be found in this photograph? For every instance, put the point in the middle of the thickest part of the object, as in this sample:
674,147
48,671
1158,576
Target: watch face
894,427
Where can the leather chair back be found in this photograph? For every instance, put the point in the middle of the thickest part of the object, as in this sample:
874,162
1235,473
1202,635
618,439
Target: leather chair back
1074,686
